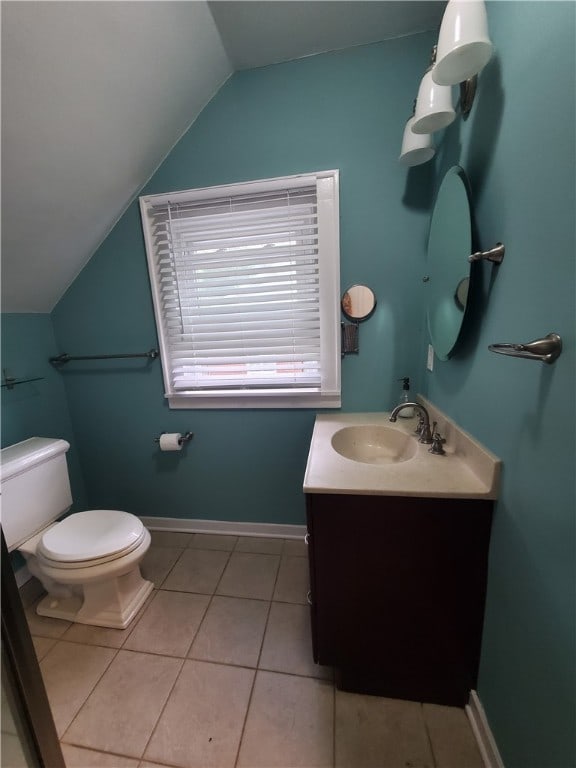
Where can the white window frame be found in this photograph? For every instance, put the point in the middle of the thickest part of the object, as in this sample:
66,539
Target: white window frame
328,395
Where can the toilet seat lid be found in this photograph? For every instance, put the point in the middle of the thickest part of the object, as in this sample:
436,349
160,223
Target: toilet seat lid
90,535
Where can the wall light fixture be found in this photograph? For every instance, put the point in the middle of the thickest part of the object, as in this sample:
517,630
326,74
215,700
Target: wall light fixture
463,49
416,148
434,109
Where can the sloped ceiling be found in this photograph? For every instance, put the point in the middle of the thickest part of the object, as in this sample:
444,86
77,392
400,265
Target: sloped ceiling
261,32
95,95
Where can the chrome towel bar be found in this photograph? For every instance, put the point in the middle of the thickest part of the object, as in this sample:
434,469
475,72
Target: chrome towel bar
64,358
544,350
10,381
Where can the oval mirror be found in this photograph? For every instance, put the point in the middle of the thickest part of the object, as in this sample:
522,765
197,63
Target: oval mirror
449,245
358,303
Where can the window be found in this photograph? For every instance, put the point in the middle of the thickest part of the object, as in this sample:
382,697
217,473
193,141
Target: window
245,282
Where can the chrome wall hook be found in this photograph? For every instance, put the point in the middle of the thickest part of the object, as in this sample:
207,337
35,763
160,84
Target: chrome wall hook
545,350
496,255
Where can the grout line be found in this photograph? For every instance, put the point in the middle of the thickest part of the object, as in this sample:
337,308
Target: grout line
246,597
222,594
268,615
206,661
49,637
188,592
257,668
248,705
333,720
210,601
199,627
153,731
227,594
256,551
211,549
84,645
168,544
99,751
173,565
36,637
429,735
193,550
81,707
290,602
226,564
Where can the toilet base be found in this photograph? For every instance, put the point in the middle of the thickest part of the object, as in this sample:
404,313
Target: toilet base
111,603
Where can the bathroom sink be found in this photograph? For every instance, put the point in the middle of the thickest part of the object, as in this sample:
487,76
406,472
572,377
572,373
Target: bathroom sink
374,444
366,454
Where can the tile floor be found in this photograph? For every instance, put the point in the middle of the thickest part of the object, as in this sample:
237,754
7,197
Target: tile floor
216,672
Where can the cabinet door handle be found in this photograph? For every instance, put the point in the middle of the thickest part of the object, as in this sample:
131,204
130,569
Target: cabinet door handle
309,597
307,539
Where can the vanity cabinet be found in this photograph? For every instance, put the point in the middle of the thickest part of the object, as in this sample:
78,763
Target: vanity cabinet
397,594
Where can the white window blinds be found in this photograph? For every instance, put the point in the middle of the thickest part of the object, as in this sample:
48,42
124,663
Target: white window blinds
239,279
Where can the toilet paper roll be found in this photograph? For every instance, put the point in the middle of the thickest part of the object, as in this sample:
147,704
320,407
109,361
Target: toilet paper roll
171,441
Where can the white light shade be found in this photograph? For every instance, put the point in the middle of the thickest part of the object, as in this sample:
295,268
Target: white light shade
464,47
434,109
416,148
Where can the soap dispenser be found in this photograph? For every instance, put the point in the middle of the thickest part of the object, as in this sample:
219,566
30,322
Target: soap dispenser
405,413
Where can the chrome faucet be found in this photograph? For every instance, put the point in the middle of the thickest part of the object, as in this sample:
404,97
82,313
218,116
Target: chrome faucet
425,434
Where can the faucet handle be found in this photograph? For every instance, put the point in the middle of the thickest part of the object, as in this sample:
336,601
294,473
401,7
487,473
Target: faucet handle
420,425
437,442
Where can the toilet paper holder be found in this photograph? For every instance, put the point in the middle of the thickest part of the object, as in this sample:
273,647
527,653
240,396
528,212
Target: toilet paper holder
186,437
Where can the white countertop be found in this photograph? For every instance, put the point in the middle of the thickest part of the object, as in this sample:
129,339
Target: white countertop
467,471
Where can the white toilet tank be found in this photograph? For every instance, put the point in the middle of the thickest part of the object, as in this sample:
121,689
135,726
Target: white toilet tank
35,487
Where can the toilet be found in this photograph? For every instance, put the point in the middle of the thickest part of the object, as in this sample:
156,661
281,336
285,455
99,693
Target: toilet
89,562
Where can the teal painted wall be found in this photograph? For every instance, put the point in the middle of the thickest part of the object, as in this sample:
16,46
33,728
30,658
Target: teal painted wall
518,149
39,408
341,110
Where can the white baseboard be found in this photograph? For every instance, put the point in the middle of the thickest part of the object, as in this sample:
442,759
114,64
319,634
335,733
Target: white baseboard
481,728
271,530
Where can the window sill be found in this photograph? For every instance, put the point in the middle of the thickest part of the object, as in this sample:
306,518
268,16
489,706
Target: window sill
257,400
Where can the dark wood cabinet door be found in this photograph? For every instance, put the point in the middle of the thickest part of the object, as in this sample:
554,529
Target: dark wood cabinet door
398,591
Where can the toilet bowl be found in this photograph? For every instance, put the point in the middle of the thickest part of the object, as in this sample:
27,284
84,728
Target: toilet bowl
89,562
89,565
